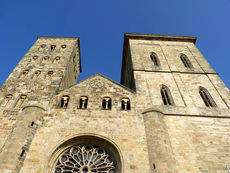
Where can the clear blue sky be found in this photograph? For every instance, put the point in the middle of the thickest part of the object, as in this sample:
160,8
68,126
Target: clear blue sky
101,24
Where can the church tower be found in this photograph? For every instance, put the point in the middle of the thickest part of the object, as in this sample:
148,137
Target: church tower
169,114
51,65
184,103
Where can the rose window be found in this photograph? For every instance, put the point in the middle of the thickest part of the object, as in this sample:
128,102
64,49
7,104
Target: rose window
85,159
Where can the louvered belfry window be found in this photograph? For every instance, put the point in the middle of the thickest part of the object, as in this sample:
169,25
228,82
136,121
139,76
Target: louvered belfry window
166,96
186,61
207,98
155,59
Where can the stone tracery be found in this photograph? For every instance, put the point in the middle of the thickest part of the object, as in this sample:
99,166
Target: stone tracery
85,159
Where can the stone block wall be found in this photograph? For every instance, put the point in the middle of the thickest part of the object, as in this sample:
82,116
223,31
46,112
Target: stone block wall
161,155
124,128
199,144
183,82
151,137
44,70
187,136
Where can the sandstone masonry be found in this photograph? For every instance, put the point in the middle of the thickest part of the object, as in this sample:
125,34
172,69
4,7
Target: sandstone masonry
44,114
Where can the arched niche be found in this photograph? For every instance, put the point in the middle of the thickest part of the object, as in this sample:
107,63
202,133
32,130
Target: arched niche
81,142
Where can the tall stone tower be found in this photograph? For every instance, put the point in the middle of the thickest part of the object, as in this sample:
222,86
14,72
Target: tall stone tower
51,65
169,114
183,101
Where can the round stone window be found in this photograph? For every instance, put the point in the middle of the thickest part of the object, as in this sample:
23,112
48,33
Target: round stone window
85,159
88,155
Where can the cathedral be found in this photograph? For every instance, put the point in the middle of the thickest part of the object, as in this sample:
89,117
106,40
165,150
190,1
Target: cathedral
169,113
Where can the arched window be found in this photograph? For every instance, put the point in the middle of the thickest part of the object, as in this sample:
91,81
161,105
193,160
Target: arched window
6,99
45,59
64,101
75,68
74,59
166,96
24,73
35,57
20,101
52,47
56,59
207,98
155,59
107,103
83,102
49,74
63,46
186,61
86,154
42,47
36,74
125,104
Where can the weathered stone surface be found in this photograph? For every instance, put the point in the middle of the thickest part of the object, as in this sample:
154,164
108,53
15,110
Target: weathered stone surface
41,113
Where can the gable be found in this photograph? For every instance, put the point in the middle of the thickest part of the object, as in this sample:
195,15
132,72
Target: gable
95,88
98,82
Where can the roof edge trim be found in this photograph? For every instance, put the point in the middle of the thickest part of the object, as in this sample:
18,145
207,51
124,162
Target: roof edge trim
161,37
98,74
50,37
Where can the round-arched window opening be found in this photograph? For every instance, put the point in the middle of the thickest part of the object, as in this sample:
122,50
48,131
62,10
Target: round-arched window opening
87,154
63,46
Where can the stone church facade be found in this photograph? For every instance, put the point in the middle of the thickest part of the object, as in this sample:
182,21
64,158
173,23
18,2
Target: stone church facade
169,114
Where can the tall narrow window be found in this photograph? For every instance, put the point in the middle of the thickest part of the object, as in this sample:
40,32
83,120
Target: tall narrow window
64,101
52,47
186,61
125,104
83,102
6,99
20,101
155,59
75,68
107,103
207,98
22,153
166,96
74,59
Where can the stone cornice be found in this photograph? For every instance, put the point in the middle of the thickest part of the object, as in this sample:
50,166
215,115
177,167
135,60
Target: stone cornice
160,37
